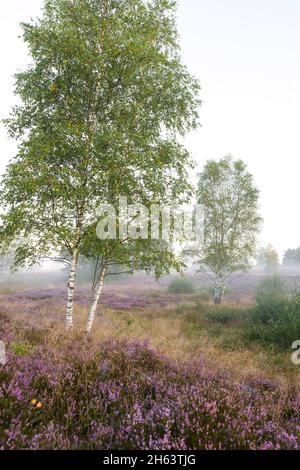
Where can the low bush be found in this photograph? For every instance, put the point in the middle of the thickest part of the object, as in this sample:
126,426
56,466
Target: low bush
271,299
280,331
181,285
275,319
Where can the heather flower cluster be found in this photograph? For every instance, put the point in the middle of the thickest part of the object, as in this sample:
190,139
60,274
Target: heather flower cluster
119,395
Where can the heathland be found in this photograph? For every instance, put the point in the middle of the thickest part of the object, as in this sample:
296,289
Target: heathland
164,368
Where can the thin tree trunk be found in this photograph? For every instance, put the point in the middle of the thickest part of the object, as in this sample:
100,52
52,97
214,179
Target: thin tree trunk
97,295
71,287
219,289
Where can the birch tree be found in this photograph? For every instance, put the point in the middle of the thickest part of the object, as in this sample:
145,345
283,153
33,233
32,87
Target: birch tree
230,200
101,106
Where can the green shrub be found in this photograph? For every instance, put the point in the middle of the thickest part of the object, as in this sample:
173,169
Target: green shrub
275,320
21,348
271,299
181,285
201,299
224,315
279,331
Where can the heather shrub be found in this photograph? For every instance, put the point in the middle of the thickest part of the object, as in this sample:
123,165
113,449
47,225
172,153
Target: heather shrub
119,395
181,285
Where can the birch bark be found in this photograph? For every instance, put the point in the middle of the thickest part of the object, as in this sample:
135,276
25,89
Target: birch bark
71,287
219,289
97,295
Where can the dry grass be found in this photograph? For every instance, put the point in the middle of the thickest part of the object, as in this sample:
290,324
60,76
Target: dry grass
177,331
170,332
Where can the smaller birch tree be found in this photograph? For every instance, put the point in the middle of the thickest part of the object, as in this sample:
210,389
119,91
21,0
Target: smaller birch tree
230,199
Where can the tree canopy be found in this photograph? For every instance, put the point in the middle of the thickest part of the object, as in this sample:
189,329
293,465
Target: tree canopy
230,201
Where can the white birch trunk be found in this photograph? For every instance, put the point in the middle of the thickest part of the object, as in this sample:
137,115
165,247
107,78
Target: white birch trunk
97,295
71,287
219,289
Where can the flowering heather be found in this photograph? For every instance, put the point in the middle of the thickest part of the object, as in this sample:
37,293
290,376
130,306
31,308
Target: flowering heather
30,301
119,395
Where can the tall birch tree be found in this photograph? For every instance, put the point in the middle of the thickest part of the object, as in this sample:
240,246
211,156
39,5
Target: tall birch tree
101,106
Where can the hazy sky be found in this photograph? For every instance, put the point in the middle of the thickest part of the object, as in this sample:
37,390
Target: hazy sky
247,56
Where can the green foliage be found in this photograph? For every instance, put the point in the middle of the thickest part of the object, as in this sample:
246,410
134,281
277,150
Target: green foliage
224,315
21,348
279,333
271,299
230,200
275,320
181,285
93,105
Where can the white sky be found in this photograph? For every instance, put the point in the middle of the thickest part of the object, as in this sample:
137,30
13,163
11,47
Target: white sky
246,54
